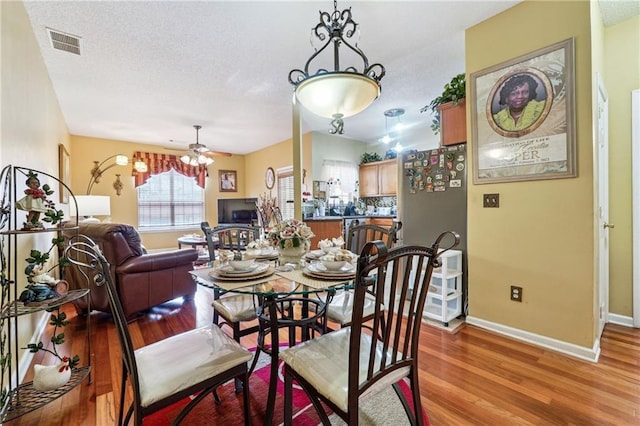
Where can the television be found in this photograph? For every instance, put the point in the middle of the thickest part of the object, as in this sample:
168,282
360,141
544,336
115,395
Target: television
237,210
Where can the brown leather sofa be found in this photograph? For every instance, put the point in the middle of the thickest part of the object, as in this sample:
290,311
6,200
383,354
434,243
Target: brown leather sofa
142,280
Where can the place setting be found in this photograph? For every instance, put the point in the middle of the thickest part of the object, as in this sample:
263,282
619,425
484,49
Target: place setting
335,265
242,270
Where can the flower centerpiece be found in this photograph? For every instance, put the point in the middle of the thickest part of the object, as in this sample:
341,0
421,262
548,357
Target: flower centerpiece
292,239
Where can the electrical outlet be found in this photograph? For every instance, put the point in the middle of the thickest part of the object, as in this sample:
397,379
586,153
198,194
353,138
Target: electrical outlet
491,200
516,293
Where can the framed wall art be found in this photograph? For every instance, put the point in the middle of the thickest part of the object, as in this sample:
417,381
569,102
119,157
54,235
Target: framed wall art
64,171
523,117
228,180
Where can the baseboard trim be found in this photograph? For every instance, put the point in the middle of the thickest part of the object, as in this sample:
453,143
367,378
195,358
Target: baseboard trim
587,354
620,320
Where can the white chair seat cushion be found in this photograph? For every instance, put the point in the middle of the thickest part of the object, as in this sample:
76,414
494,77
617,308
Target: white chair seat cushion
236,308
174,364
340,309
323,362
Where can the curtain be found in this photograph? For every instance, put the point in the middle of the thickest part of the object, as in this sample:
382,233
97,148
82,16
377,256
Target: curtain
160,163
341,177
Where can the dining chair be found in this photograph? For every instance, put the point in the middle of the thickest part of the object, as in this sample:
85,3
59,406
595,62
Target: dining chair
277,214
233,308
341,367
165,372
340,309
263,219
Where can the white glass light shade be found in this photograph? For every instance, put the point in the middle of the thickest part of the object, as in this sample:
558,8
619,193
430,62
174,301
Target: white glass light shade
93,205
196,160
343,93
122,160
140,166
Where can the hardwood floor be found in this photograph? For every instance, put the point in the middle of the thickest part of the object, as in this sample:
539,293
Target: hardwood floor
472,377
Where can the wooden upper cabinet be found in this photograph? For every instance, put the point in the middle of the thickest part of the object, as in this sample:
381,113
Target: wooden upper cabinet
388,176
453,123
379,178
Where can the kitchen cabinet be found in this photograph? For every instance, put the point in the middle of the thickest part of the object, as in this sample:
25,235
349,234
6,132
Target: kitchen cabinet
385,222
379,178
453,123
444,298
325,229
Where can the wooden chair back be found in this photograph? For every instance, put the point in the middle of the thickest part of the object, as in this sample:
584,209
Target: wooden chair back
277,214
359,235
399,278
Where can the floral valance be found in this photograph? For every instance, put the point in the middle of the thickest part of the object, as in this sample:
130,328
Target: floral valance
160,163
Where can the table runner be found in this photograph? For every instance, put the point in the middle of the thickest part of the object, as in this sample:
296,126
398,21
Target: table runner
203,274
299,277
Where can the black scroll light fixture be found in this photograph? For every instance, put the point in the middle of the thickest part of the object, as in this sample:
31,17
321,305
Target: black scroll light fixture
337,93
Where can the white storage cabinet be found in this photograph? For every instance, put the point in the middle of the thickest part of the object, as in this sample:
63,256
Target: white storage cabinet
444,299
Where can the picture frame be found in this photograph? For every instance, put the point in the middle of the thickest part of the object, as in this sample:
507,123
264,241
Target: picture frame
64,172
523,117
228,180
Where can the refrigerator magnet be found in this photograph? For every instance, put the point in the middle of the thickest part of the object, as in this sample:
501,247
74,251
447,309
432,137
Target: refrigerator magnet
434,159
460,167
408,165
420,155
460,158
439,189
457,183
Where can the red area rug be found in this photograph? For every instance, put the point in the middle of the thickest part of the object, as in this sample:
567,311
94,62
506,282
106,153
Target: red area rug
230,411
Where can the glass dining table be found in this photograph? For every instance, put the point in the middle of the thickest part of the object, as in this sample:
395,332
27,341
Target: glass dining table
284,298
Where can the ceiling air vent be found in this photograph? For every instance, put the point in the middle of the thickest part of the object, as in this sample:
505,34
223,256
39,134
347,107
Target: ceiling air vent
63,41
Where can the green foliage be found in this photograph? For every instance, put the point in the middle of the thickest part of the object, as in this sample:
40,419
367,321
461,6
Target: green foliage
57,320
53,216
454,91
369,157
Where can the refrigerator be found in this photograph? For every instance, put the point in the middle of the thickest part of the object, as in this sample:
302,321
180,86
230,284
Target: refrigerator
433,199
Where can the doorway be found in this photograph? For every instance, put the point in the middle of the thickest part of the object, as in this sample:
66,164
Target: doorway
602,151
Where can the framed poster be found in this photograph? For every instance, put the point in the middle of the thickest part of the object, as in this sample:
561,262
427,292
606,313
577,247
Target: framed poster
228,180
523,117
63,173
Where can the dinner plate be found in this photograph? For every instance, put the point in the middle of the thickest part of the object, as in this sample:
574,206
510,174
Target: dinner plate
268,271
319,271
314,254
256,269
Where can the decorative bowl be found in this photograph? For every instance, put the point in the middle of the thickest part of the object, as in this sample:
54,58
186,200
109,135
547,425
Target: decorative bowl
333,265
242,265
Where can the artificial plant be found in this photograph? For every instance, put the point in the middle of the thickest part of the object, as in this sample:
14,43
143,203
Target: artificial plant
454,91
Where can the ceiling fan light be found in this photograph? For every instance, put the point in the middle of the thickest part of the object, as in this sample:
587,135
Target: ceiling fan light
186,159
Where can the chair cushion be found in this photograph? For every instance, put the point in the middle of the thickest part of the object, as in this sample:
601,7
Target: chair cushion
236,308
174,364
340,309
323,363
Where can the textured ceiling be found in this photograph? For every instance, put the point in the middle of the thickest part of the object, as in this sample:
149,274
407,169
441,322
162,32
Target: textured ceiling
148,71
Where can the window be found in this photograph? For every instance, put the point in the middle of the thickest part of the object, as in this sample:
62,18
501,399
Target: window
285,192
169,200
341,177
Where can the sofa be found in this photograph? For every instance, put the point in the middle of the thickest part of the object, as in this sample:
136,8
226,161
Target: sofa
142,279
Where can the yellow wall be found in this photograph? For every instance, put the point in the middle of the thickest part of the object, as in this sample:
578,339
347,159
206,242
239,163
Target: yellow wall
622,75
276,156
84,151
32,127
541,237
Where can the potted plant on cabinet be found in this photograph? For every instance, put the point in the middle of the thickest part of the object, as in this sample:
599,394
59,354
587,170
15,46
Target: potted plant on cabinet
449,112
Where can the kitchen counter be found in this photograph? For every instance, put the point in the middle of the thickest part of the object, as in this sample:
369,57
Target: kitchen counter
363,216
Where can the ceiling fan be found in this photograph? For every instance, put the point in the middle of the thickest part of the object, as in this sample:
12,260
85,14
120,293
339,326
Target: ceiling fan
198,154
